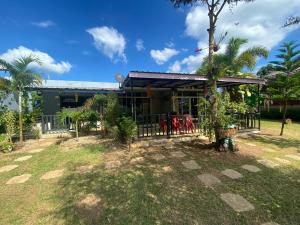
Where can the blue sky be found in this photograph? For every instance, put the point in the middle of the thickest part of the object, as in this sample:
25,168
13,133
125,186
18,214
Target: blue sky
94,40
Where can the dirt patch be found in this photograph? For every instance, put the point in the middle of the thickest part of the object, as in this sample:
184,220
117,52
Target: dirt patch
167,169
89,208
113,164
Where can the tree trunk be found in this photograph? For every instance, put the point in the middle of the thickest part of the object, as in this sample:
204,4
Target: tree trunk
77,132
283,117
20,118
212,81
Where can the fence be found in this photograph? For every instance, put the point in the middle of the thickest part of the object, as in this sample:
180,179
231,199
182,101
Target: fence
53,124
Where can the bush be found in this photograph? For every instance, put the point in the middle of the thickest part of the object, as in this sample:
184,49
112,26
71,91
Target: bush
5,144
126,129
10,124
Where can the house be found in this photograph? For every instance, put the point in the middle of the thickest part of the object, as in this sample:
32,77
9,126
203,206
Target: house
149,96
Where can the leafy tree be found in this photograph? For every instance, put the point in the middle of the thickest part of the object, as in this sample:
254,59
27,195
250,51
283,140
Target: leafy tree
265,71
285,85
214,8
21,78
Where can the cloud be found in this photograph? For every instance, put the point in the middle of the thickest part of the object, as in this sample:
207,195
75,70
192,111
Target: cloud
110,42
43,24
49,65
139,45
162,56
260,22
170,44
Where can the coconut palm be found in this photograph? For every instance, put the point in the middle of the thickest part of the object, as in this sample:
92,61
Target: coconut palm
234,60
21,77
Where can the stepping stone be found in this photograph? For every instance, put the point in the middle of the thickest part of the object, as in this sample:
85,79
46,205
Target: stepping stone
169,147
270,223
89,208
283,161
167,169
36,150
191,165
237,202
250,144
251,168
232,174
112,164
24,158
8,168
208,179
269,150
177,154
292,156
158,157
84,169
52,174
137,160
19,179
267,163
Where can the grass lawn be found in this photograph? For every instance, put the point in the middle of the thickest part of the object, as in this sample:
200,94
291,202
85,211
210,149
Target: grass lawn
156,192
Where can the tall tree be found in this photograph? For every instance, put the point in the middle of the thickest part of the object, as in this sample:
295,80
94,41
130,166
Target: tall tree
284,85
214,8
21,77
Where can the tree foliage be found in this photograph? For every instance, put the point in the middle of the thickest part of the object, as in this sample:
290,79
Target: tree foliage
284,85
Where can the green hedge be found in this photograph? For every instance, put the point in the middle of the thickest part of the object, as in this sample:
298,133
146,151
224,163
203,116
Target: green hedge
275,114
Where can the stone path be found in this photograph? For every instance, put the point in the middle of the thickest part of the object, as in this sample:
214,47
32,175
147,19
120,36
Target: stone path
283,161
237,202
267,163
167,169
232,174
137,160
251,168
52,174
158,157
293,156
208,179
191,165
23,158
177,154
250,144
269,150
84,169
112,164
19,179
8,168
36,150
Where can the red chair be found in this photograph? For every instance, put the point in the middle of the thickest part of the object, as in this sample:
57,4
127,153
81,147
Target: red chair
176,124
188,123
163,125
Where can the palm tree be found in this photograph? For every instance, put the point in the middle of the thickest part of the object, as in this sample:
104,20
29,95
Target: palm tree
21,76
284,85
233,61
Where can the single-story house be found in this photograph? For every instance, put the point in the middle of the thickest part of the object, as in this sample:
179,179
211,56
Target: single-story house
149,96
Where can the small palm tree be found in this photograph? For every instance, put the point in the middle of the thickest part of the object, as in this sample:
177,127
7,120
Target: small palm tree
21,77
284,85
233,61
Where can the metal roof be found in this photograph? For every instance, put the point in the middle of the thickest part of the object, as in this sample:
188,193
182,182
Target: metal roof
180,80
77,85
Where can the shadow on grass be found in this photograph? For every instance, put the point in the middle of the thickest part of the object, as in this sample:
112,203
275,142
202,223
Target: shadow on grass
281,142
139,195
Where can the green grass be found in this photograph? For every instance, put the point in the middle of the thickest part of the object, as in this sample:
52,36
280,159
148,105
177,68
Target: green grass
147,195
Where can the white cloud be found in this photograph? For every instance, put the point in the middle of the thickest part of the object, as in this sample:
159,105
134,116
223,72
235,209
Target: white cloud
170,44
49,65
43,24
260,22
110,42
139,45
162,56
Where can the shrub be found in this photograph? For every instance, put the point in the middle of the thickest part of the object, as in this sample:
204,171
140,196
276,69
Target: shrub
10,124
5,144
126,129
